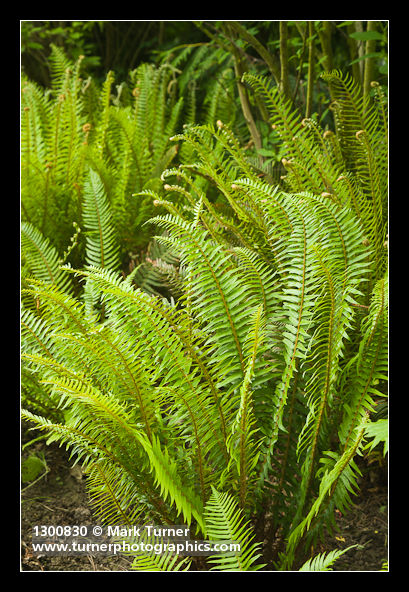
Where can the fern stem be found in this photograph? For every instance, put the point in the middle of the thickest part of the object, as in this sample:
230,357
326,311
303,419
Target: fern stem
45,210
137,388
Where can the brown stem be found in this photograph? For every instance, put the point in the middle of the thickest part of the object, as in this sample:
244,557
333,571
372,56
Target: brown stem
310,84
359,29
369,62
284,85
239,70
353,54
268,57
325,39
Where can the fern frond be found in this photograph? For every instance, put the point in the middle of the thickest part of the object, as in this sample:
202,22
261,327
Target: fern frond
378,430
368,366
59,309
120,483
363,140
336,481
102,245
171,485
324,561
224,522
159,559
242,445
179,362
105,101
59,65
216,291
41,258
114,498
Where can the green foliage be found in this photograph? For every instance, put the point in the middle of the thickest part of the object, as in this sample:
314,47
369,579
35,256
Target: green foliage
32,467
165,561
378,430
40,258
230,378
76,126
224,522
323,561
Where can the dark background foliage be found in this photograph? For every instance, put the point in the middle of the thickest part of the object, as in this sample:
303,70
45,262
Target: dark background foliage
122,45
107,45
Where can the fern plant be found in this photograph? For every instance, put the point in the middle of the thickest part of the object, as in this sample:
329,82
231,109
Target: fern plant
347,165
75,125
247,395
53,150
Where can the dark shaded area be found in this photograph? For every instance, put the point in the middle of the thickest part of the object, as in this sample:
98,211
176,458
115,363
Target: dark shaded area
107,45
59,498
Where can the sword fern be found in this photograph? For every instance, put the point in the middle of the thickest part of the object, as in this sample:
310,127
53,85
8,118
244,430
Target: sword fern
243,397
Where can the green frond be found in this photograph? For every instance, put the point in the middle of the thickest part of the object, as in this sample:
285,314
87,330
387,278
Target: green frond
337,480
220,99
224,522
179,362
36,397
101,240
114,497
260,278
242,443
364,143
35,336
58,308
216,291
171,484
41,259
369,366
61,67
324,561
379,431
159,561
36,122
105,101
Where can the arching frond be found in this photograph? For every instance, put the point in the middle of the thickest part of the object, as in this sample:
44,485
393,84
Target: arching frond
324,561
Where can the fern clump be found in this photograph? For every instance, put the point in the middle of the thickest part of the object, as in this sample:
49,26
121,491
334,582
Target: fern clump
77,126
238,398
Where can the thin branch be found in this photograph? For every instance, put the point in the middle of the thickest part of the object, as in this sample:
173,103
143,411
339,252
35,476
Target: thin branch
284,85
263,52
369,62
310,83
